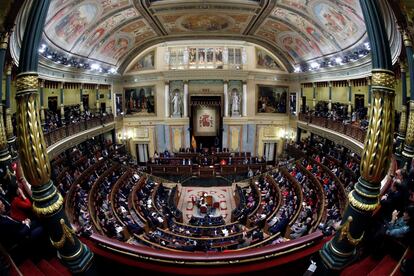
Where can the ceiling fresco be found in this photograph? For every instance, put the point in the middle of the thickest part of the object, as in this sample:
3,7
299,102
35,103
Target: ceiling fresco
115,31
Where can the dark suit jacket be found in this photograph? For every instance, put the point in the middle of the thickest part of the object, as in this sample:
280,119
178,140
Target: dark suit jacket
11,231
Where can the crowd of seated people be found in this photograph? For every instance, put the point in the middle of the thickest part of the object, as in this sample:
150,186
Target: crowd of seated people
72,115
331,194
310,205
18,224
147,206
339,112
342,163
279,223
269,199
120,203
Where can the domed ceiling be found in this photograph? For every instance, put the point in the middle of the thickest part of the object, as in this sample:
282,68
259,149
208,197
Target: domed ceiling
115,31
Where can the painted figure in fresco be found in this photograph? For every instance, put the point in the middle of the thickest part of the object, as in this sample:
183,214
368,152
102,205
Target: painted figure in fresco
176,102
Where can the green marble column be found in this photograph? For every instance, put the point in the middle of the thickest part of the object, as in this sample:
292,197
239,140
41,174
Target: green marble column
375,160
47,201
62,100
98,104
82,109
330,97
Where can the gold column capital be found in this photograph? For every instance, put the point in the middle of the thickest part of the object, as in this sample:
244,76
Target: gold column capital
407,38
9,69
382,78
26,82
4,40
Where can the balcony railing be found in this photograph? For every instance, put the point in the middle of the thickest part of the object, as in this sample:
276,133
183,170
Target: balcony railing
349,130
58,134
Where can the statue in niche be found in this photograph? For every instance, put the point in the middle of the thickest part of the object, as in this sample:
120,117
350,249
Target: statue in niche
235,102
176,103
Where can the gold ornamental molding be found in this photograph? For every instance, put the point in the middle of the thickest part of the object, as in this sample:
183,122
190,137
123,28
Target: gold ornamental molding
360,205
9,124
383,78
48,210
67,235
409,137
26,82
403,121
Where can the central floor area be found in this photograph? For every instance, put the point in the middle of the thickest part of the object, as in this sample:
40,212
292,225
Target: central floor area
222,195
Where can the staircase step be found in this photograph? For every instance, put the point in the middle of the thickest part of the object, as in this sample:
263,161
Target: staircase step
47,268
362,267
385,267
28,268
60,267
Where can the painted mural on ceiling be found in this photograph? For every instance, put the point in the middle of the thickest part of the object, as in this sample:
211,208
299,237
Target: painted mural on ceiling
110,31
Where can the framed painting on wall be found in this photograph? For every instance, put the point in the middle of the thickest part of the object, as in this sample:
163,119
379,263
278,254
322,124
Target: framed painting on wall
140,100
271,99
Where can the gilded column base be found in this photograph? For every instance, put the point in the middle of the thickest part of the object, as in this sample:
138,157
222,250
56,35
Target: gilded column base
48,206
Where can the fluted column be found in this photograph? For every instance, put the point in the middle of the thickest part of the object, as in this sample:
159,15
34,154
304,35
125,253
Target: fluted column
167,99
112,105
4,42
408,149
185,100
11,138
62,106
226,99
47,201
42,106
375,160
5,157
98,104
330,97
349,98
244,109
402,128
369,92
314,95
303,104
82,109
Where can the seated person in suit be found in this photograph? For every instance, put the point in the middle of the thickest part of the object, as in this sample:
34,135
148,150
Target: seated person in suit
12,231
